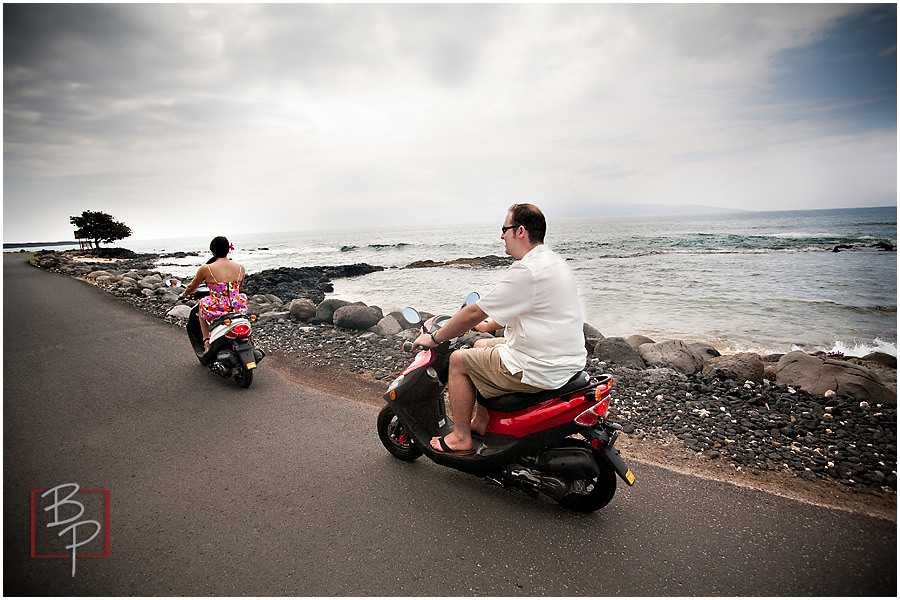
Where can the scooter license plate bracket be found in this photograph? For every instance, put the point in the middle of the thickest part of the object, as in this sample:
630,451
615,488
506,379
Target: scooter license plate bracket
607,436
618,464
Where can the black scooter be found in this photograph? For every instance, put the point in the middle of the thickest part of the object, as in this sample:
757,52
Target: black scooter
558,442
231,350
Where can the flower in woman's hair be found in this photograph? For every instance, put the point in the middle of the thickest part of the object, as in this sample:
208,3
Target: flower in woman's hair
231,246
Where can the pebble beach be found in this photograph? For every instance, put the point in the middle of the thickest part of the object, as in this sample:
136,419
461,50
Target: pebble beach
838,451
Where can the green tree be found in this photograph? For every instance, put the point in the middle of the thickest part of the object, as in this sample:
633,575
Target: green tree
99,227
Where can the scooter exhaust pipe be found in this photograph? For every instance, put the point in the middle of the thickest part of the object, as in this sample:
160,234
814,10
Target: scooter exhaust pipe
534,483
220,369
568,463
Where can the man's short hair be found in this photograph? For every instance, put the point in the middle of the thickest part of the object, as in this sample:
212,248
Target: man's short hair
532,219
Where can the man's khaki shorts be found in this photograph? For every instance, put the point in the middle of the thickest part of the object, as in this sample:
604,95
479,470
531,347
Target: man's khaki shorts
487,372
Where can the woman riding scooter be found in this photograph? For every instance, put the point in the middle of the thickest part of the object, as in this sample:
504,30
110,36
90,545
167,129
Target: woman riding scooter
223,277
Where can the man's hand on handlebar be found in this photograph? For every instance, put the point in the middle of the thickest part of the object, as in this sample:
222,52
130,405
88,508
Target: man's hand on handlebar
424,341
458,324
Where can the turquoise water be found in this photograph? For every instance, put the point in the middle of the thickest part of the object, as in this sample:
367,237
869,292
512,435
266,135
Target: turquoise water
767,281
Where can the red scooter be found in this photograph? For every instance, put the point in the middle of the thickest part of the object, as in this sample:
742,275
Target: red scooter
557,442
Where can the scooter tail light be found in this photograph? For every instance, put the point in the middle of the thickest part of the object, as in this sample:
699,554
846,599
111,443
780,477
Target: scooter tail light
587,418
242,330
597,412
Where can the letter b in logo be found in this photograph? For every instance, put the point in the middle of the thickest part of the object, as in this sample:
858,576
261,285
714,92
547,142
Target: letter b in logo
64,514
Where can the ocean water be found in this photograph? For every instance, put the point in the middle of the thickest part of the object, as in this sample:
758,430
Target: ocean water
749,281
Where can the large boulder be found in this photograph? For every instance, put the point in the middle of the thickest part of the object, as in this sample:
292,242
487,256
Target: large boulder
181,311
357,316
325,309
302,309
617,351
98,274
882,358
746,366
388,326
167,296
703,351
259,304
151,282
883,366
819,374
636,341
671,353
592,335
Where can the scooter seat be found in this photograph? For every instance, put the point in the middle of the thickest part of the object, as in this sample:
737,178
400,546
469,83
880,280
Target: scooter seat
519,401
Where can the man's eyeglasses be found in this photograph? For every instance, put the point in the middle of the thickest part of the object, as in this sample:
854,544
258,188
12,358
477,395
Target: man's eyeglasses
506,228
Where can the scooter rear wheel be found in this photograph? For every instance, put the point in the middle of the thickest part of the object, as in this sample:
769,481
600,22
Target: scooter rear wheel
244,378
596,492
395,437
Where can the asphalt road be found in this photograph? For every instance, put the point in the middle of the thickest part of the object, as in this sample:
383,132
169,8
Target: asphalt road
281,490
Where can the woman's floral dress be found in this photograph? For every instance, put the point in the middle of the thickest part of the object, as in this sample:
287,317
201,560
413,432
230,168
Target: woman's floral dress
224,298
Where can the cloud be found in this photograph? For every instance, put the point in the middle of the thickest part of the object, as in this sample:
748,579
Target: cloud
319,115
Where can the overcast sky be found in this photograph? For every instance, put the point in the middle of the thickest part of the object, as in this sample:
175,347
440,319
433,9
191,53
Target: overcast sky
197,119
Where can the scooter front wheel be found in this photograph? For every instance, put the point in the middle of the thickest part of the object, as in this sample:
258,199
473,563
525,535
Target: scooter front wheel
395,437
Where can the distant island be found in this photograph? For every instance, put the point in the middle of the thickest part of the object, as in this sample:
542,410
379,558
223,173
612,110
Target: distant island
32,244
642,209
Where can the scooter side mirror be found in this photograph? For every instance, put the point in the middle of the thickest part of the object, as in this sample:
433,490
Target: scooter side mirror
411,315
472,298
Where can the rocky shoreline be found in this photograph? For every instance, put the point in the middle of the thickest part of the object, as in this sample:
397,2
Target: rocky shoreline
825,422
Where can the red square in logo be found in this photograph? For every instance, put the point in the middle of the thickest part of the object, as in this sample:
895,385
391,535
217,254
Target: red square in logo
45,539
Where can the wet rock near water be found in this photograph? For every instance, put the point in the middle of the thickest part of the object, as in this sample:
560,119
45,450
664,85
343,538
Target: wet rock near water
826,418
489,261
313,283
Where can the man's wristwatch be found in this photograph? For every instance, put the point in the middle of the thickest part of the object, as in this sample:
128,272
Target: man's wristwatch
434,340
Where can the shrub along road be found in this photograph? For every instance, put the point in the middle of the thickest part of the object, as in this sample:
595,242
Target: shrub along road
284,490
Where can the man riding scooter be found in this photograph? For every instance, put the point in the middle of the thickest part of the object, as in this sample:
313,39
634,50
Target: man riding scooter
543,345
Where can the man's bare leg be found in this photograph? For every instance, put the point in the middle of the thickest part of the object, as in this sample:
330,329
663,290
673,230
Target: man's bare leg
462,401
480,420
